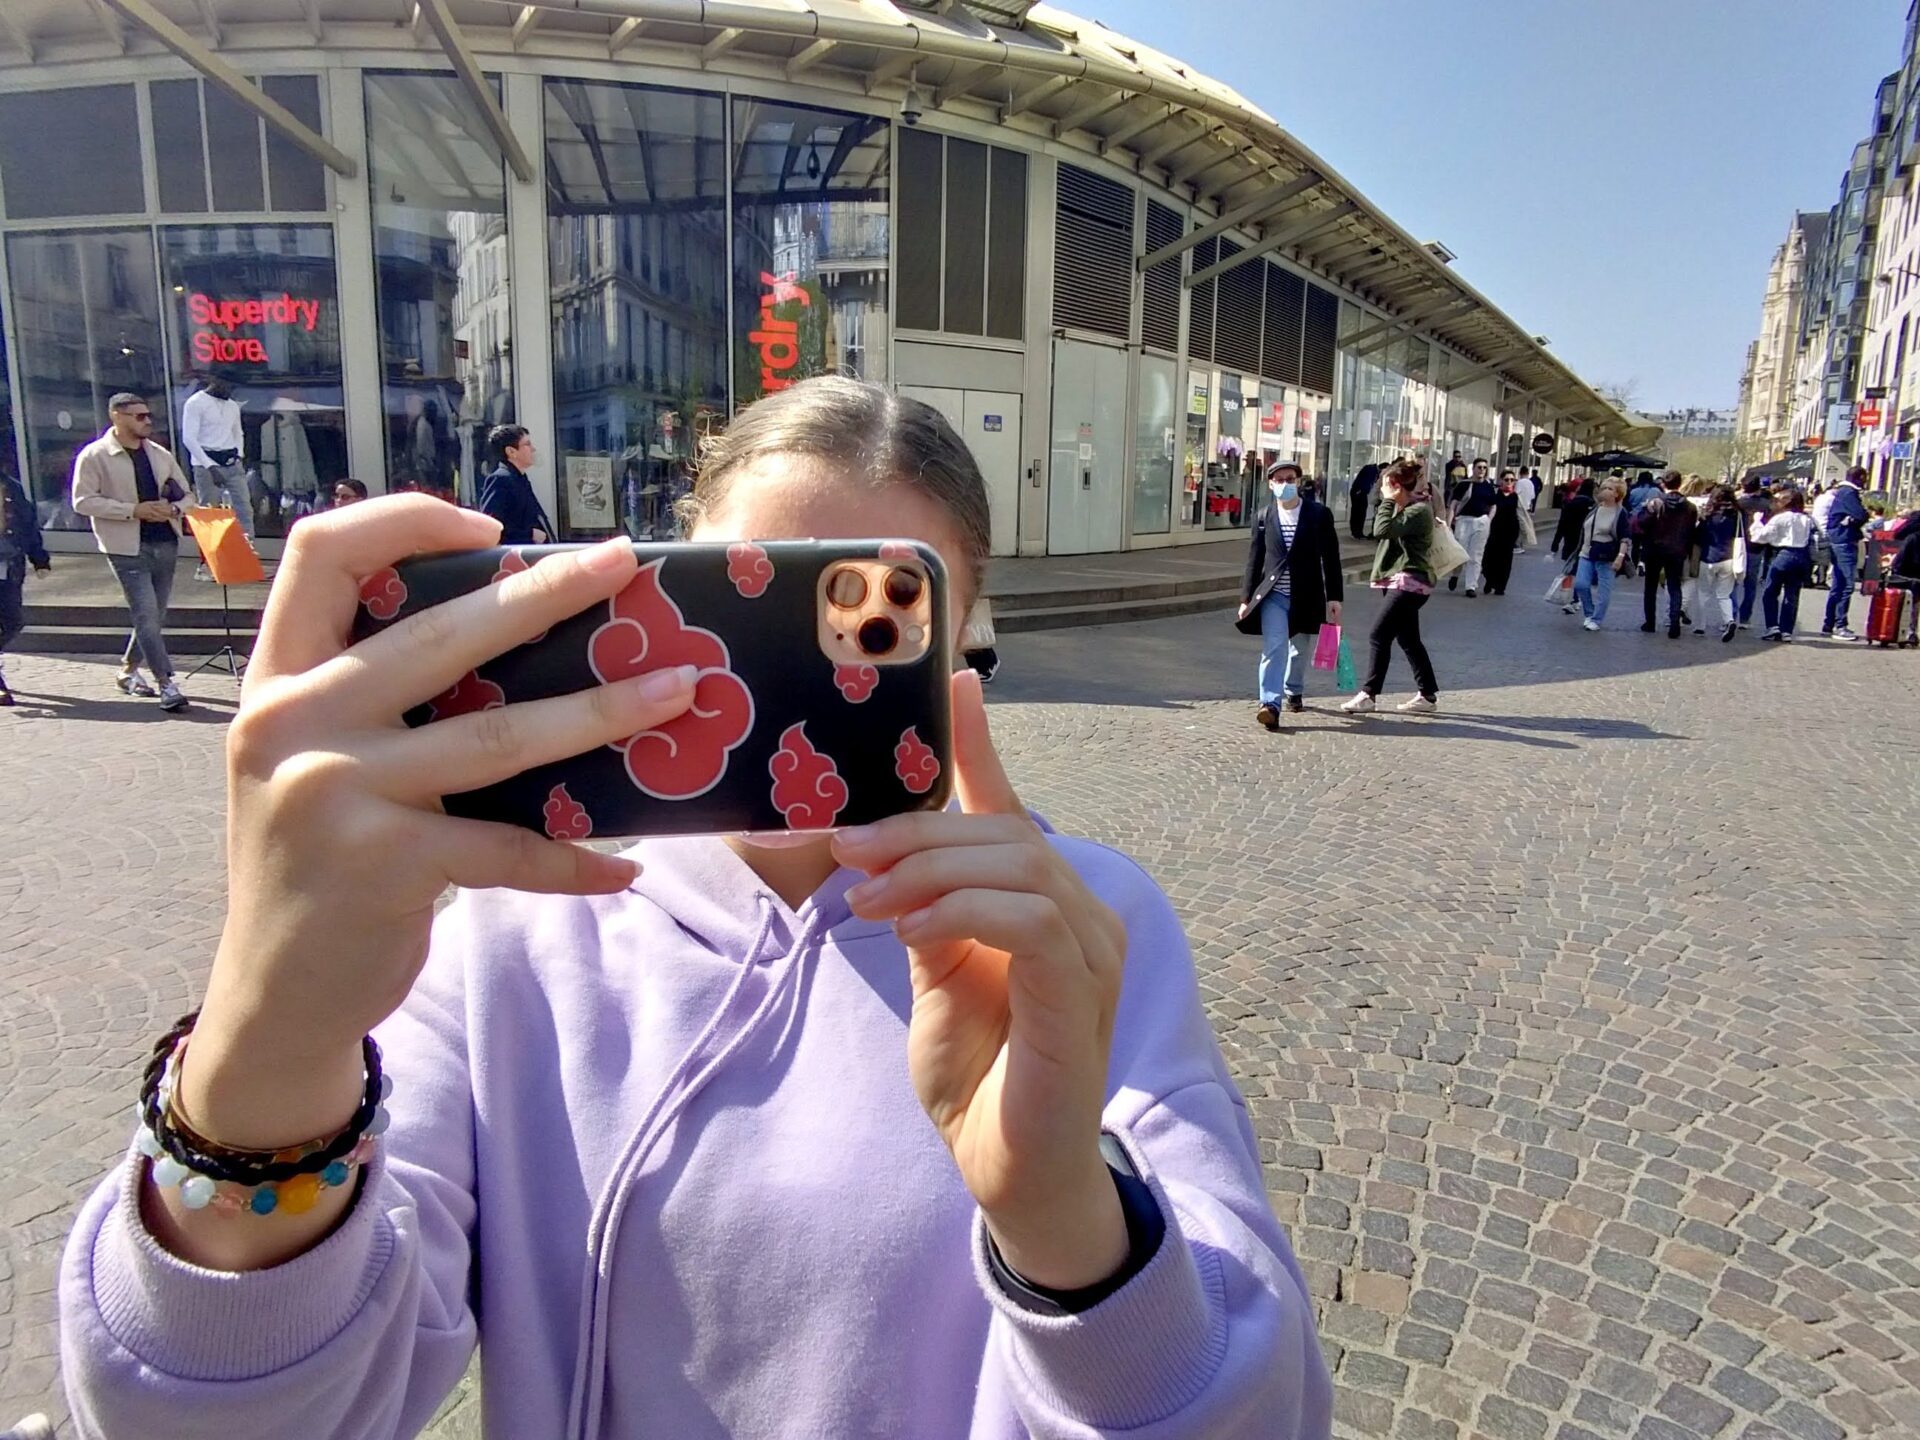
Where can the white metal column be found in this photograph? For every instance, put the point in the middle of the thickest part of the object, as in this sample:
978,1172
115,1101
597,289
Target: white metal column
359,283
1043,180
527,263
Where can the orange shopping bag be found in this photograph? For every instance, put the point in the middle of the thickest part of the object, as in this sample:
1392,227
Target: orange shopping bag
223,545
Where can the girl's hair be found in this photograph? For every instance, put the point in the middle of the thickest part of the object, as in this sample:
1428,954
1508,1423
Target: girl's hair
863,430
1404,473
1696,485
1614,484
1789,499
1723,497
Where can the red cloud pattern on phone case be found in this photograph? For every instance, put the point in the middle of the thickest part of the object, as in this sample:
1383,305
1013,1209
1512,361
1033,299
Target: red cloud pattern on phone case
855,682
514,563
915,763
807,788
383,593
647,631
468,695
566,817
750,569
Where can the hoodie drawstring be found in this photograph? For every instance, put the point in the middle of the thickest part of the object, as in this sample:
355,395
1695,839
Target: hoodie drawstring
675,1093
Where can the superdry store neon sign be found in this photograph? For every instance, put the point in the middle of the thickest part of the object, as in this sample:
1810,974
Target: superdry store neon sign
218,323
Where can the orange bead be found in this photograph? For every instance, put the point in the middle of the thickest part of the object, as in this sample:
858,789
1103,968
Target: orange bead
298,1194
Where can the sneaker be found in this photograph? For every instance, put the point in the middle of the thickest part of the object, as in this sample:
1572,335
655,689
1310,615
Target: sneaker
1771,635
1699,629
1590,625
1453,582
1728,633
203,575
1825,634
1569,609
1647,629
1418,705
1673,632
1268,717
1295,704
31,1427
134,683
1360,704
170,697
1472,594
1784,638
1843,633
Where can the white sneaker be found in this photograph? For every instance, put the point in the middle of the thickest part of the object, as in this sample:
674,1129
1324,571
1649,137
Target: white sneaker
1590,625
170,696
1360,704
32,1427
1569,609
134,683
1418,705
1843,633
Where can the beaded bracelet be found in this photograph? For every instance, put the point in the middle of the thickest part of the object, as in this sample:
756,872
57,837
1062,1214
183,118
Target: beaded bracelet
262,1182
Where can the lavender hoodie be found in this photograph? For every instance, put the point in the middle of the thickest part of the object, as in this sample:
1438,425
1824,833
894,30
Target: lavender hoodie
662,1147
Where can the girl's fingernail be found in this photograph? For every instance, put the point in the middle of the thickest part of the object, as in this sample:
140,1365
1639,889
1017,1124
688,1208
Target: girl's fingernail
666,684
858,835
606,557
907,924
867,891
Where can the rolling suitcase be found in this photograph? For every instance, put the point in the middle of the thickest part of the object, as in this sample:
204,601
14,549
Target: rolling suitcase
1885,614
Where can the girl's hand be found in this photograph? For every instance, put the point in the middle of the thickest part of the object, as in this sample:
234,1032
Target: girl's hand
1016,972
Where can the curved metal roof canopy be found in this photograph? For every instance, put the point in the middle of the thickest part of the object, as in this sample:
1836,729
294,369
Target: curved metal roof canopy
1031,66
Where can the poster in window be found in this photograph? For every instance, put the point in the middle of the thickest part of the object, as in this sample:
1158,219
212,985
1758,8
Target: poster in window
590,500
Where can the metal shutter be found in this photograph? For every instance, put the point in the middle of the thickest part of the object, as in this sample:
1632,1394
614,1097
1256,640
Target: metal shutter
1200,311
918,304
1093,254
1007,246
1236,333
1317,350
1286,310
1160,287
966,237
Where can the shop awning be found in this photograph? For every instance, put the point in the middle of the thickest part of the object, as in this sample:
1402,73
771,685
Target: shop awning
1034,67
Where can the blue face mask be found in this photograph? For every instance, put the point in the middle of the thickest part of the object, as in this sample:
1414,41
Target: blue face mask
1286,492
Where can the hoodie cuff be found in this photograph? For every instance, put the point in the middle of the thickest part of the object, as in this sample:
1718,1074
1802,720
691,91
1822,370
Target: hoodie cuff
1143,1353
197,1324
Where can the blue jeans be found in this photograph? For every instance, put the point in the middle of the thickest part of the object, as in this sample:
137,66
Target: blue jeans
217,484
147,581
1782,600
1594,575
1846,567
1758,558
1278,653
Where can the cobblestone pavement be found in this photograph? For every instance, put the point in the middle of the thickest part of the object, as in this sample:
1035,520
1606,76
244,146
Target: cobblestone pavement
1580,1023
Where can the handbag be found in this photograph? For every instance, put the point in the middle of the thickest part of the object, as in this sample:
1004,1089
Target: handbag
1344,675
1445,554
1560,588
1326,649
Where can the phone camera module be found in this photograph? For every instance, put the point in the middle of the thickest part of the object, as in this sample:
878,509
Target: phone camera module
878,636
847,588
904,587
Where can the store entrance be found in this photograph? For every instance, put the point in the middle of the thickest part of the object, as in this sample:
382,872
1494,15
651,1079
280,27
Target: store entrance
1087,462
988,421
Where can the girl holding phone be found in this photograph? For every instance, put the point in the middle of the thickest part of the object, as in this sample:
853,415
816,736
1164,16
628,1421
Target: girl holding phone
917,1130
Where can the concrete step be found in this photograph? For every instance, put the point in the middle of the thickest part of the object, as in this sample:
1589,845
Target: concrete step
179,617
112,640
1118,612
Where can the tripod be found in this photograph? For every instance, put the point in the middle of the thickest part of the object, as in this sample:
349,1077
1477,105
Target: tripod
226,657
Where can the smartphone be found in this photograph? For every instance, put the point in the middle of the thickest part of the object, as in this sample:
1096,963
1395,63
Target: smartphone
822,699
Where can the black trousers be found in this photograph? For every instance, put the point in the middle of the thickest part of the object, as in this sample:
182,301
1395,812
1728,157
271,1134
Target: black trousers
1400,621
1672,572
10,610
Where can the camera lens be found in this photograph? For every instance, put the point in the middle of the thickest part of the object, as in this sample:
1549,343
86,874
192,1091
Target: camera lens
847,588
903,587
878,636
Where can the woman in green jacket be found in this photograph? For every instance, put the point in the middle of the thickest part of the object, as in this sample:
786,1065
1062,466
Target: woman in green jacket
1402,568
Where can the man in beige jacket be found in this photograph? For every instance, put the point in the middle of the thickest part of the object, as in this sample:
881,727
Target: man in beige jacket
135,493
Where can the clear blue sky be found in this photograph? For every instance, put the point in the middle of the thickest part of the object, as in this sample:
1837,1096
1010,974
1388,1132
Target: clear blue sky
1614,174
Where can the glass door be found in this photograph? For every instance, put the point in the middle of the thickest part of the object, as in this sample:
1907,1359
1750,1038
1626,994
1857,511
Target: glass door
1155,447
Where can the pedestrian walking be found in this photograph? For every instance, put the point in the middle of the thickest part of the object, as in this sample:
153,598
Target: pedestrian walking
212,436
1529,488
1576,504
135,494
1903,571
1292,587
1503,535
1664,527
1789,530
1403,572
1720,551
507,495
999,1028
1755,506
979,642
1600,549
1471,502
1359,495
21,546
1843,522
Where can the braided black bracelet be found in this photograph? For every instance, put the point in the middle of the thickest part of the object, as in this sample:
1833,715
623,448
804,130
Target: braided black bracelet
243,1167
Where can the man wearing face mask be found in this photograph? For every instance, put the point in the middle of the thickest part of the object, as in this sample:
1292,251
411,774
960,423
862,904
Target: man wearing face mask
1292,588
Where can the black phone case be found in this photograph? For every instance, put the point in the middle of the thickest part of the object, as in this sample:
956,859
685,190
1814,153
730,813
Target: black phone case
779,737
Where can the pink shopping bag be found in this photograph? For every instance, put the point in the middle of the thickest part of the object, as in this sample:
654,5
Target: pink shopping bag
1326,649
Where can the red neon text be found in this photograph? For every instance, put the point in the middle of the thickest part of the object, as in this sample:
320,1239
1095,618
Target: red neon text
214,316
778,340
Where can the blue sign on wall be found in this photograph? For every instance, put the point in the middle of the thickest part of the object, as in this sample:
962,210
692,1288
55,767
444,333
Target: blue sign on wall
990,423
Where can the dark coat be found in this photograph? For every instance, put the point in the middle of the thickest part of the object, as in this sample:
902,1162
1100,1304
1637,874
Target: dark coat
1312,567
21,535
1573,521
507,496
1665,524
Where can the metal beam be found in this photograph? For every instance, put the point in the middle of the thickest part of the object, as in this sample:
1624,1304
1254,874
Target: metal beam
1167,149
219,72
15,32
1205,163
524,22
1195,174
721,43
890,70
1402,322
110,22
1402,327
810,57
1090,112
1291,235
628,31
440,19
1454,382
210,18
1137,127
960,81
1034,95
311,9
1265,203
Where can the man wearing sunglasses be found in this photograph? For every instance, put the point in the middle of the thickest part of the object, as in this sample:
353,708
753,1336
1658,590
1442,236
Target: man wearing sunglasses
135,494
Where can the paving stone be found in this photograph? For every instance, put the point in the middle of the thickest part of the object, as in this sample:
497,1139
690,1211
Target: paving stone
1701,1414
1744,1389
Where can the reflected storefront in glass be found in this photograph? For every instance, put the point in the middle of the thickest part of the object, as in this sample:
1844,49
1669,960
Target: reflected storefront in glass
1386,406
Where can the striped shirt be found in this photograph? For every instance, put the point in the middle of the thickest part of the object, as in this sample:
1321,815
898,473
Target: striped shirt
1289,522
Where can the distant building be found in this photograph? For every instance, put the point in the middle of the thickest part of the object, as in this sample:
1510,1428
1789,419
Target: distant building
1765,415
1696,424
1889,391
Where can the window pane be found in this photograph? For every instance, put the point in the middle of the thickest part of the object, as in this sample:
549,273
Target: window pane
810,243
921,185
636,255
87,324
177,152
71,152
1007,247
966,237
257,305
233,140
440,255
298,180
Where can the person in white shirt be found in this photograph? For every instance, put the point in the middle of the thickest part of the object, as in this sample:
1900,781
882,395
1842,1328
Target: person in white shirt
1790,531
210,434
